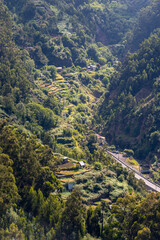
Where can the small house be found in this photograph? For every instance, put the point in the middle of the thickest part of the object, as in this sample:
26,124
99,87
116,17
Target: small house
82,164
59,69
70,186
65,160
101,139
93,67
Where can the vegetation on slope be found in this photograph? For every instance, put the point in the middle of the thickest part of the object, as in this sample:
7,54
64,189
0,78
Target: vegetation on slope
30,193
131,107
148,21
44,107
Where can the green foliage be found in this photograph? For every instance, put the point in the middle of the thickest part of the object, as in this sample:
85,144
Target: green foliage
67,132
126,225
73,217
12,233
52,103
129,152
14,85
148,16
53,71
27,181
92,140
61,33
154,139
134,101
27,157
92,53
143,234
93,218
8,189
85,78
70,34
52,209
97,166
43,116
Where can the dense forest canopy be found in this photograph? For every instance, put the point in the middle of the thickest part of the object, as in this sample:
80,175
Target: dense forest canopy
70,70
131,106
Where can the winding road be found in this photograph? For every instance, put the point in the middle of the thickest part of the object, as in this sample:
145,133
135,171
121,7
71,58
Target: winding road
150,185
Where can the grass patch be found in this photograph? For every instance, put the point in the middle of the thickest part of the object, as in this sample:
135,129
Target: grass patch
67,165
97,6
71,172
66,180
133,162
65,195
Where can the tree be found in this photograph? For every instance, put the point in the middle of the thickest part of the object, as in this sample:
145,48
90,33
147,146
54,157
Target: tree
98,166
51,210
8,189
92,53
73,217
12,233
53,71
155,139
93,221
92,140
43,116
129,152
143,234
52,103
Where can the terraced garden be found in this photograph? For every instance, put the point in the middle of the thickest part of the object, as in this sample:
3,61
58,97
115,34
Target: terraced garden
78,101
93,184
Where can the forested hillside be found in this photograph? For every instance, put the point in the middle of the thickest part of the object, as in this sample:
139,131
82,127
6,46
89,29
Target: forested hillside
61,83
67,32
132,104
148,21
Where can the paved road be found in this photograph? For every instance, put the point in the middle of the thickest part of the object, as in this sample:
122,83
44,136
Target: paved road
119,158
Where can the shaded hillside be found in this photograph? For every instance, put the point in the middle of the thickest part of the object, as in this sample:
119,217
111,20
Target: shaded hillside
131,107
148,21
15,80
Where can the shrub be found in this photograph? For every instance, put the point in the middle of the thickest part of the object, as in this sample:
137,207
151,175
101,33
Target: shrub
67,132
43,116
98,166
97,187
121,178
129,152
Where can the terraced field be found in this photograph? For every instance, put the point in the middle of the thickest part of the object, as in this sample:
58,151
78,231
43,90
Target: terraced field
94,185
70,169
59,85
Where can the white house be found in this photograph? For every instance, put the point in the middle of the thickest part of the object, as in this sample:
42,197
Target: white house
59,69
82,164
65,160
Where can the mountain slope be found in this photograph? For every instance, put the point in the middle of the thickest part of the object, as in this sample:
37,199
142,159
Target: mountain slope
40,26
131,107
45,107
148,21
